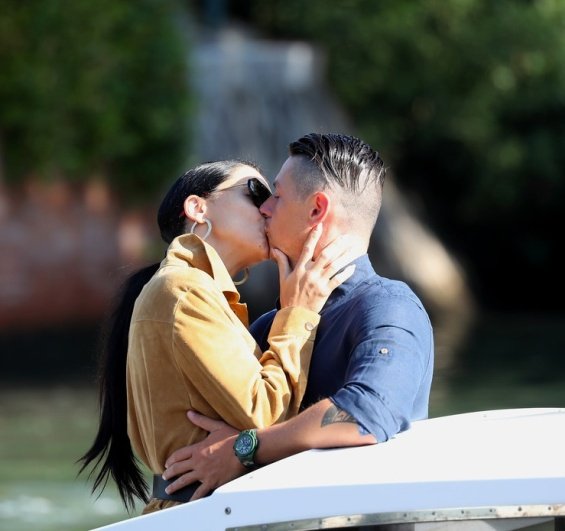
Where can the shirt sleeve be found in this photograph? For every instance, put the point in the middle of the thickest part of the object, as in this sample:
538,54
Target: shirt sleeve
220,358
386,371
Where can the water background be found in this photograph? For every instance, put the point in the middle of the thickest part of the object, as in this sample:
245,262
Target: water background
46,423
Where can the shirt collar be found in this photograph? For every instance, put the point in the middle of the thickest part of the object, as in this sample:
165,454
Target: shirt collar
191,249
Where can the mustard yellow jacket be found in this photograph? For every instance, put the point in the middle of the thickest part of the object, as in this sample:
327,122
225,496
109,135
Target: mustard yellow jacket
189,348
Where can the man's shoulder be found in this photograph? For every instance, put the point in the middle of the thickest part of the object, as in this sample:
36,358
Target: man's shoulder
378,290
380,301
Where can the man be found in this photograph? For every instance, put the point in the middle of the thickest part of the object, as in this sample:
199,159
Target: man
372,363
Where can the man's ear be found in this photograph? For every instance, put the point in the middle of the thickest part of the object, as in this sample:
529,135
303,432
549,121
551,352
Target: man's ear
319,207
195,208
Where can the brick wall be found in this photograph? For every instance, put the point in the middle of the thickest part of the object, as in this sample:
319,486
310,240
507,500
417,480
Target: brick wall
64,250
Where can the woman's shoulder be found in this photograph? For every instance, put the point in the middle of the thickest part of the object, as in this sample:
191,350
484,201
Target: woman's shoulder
171,284
178,280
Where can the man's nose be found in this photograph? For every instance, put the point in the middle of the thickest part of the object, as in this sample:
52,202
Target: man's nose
265,208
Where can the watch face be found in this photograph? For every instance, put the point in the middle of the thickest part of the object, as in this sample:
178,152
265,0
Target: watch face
245,444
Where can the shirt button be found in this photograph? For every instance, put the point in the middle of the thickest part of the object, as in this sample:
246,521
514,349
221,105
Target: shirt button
384,351
309,327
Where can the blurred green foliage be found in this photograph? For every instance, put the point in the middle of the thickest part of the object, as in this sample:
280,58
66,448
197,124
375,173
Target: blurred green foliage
93,88
466,101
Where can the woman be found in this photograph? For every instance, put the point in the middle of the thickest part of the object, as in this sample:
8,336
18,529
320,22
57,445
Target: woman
188,345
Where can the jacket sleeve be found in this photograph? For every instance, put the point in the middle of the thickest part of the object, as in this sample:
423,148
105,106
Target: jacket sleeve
224,365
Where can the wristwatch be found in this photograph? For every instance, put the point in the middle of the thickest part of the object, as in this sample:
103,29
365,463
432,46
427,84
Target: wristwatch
245,447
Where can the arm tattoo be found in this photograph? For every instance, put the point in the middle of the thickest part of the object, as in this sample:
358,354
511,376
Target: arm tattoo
334,415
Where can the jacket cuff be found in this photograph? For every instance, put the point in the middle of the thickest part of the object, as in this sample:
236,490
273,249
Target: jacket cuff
295,321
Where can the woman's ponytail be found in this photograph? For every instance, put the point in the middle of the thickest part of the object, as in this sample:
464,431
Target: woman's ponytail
111,449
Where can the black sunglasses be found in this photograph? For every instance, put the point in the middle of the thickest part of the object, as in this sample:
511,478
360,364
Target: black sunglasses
258,192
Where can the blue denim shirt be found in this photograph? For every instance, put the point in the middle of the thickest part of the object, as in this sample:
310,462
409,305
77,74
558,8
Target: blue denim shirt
373,355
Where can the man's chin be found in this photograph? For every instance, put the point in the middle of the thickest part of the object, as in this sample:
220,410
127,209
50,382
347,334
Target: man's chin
273,245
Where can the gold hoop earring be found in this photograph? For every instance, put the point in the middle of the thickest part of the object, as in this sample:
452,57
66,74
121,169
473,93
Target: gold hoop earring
208,223
244,279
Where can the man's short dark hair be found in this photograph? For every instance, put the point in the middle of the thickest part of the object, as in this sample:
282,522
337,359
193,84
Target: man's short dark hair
344,163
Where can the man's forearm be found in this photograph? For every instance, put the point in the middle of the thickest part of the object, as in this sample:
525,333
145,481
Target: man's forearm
323,425
213,463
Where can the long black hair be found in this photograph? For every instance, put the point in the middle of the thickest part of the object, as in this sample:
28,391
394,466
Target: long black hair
111,452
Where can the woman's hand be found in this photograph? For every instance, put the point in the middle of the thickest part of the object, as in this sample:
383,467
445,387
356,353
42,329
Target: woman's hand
311,282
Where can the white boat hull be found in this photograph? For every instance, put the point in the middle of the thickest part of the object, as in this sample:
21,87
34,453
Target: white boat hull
502,467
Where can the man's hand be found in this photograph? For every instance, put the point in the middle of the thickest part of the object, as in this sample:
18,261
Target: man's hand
211,461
